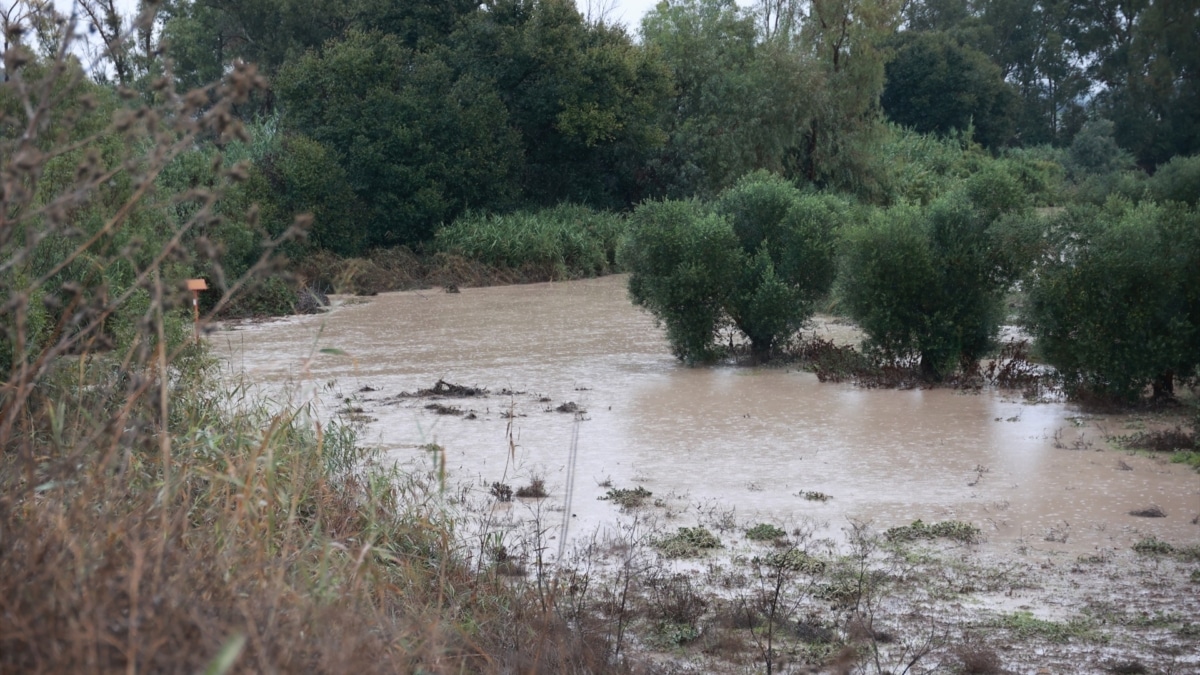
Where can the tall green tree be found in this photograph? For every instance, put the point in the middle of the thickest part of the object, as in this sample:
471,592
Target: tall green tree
740,104
586,101
419,142
1146,54
936,85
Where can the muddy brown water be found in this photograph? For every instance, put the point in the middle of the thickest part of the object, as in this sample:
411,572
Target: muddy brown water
713,441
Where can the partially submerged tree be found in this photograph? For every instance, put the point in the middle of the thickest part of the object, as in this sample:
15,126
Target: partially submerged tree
1115,305
759,261
926,284
682,261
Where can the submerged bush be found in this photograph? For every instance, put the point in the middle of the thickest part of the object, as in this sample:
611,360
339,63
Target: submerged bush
1116,304
758,260
927,284
687,542
787,243
682,261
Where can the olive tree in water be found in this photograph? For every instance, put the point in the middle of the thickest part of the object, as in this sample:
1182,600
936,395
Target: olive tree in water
682,260
1115,307
927,284
758,260
787,241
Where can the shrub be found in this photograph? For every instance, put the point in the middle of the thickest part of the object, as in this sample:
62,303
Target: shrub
682,261
1178,180
926,285
949,529
765,532
1115,306
788,240
760,260
687,542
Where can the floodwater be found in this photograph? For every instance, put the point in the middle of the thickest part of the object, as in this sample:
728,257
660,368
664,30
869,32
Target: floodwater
726,440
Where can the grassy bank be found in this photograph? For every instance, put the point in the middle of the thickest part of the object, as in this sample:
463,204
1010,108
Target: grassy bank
201,531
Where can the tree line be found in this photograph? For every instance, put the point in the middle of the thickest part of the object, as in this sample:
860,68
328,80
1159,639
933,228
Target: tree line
950,150
418,112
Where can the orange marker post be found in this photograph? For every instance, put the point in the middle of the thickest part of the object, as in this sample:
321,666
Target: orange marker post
195,286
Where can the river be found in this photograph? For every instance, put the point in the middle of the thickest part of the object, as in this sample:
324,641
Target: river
726,441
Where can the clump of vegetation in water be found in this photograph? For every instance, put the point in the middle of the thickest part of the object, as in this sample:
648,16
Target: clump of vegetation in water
949,529
1026,625
627,498
501,491
757,259
792,560
687,542
535,490
1153,546
765,532
815,496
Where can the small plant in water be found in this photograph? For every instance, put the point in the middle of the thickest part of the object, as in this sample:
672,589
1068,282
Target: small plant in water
814,496
535,490
502,491
765,532
627,498
792,560
949,529
688,542
1153,546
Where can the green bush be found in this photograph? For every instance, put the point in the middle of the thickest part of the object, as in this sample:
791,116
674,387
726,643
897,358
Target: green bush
1178,180
787,239
1116,305
683,260
926,284
778,260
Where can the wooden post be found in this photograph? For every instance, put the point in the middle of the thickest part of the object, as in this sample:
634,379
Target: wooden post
195,286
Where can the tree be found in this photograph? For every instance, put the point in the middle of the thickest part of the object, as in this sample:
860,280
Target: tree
682,260
926,284
787,242
1146,56
1114,305
587,102
418,142
935,85
739,104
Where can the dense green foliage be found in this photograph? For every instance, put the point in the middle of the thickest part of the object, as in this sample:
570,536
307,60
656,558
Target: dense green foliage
1115,305
758,258
788,241
682,259
926,284
562,243
934,84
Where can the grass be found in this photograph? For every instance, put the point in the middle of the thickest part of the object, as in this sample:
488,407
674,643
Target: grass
563,242
949,529
687,542
1025,625
765,532
627,498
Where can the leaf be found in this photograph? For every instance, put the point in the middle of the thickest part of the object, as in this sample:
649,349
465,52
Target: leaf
334,351
227,656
